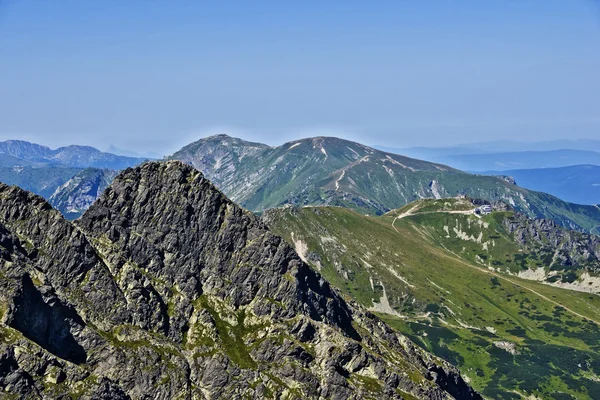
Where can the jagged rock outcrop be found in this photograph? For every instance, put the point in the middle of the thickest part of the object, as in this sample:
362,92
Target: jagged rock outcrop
508,179
562,247
166,289
497,205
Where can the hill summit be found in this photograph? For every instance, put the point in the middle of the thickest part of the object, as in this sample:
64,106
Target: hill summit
338,172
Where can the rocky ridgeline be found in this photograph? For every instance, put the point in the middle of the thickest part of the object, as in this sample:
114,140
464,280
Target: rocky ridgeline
20,152
166,289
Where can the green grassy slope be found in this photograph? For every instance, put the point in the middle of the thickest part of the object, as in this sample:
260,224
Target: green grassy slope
511,337
509,242
332,171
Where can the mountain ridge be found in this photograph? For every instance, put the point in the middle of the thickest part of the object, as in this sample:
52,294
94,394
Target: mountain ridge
77,156
333,171
166,288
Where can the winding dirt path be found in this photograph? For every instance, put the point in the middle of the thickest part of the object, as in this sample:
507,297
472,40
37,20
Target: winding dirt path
410,212
404,215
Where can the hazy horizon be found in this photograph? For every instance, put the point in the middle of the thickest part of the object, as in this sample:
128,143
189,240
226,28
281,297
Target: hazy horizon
154,76
502,145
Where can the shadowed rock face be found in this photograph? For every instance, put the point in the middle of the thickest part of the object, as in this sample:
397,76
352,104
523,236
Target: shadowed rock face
47,325
167,289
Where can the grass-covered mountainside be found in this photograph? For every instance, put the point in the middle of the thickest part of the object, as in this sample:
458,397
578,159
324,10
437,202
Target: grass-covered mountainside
509,242
427,271
166,289
331,171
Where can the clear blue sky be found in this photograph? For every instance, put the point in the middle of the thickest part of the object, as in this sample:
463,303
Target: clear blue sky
153,75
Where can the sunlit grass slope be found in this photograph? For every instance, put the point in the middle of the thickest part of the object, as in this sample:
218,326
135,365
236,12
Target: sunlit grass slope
511,337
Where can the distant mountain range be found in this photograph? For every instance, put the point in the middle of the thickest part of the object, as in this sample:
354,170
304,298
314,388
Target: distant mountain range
70,177
70,190
313,171
21,153
476,160
39,180
578,184
151,155
496,146
78,193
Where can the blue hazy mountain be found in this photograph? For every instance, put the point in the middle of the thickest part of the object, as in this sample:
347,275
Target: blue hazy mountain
576,184
522,160
476,160
70,177
496,146
150,155
22,153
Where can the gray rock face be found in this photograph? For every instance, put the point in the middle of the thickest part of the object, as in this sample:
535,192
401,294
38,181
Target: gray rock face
562,248
166,289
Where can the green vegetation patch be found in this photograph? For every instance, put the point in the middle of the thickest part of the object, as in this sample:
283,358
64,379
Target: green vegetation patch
369,384
232,336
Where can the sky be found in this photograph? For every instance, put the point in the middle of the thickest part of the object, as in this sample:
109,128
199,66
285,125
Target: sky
152,75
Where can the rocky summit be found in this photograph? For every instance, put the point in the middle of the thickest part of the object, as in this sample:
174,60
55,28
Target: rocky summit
166,289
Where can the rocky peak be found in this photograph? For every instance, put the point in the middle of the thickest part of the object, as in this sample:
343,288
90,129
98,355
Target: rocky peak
165,288
190,235
219,157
